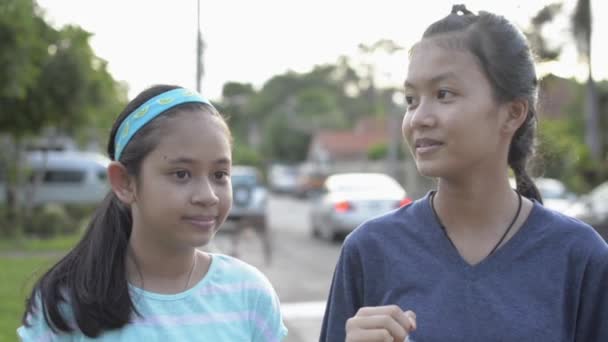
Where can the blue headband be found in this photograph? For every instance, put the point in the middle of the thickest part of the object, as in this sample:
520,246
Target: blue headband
148,111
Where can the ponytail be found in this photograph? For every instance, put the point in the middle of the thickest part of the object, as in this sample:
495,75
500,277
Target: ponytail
91,279
525,184
520,151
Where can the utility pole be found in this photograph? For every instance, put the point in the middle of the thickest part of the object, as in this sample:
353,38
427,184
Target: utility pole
199,48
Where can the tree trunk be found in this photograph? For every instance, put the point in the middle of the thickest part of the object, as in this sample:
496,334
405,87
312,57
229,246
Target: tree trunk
13,218
593,138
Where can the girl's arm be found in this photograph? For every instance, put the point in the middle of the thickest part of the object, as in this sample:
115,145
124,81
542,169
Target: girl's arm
592,318
345,296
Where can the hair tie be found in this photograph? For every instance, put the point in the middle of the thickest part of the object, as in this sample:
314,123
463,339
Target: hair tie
148,111
460,8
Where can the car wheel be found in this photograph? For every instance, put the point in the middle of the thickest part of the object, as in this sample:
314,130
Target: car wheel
316,233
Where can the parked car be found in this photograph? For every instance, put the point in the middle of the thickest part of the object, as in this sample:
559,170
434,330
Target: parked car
249,207
249,196
593,209
348,199
555,194
283,178
309,183
67,177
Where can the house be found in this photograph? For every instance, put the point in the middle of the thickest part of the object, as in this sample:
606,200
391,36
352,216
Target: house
329,147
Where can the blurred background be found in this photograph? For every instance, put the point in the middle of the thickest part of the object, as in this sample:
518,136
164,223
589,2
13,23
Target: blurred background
312,92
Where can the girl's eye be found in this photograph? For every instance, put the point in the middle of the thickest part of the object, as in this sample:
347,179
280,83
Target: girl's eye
443,94
221,175
410,101
182,174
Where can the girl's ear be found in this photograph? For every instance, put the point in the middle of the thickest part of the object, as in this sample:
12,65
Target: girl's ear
120,182
517,111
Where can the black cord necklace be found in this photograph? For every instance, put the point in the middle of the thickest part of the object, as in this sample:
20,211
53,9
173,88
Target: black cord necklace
432,199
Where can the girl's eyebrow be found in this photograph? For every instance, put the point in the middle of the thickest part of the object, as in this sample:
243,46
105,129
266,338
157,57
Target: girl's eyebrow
223,161
434,80
181,160
188,160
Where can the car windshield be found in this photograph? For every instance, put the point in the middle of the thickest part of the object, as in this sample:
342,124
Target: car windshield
551,189
243,179
361,184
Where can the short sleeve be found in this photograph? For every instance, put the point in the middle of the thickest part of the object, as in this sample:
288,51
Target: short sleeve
593,307
267,318
39,330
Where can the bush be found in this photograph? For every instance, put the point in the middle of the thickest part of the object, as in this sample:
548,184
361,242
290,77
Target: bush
50,220
79,214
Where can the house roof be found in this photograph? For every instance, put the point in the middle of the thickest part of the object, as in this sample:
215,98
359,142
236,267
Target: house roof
347,144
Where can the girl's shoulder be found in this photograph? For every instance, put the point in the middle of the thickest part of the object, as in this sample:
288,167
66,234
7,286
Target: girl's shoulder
554,225
228,269
412,219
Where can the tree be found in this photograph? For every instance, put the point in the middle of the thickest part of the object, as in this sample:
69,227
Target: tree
582,31
54,80
542,49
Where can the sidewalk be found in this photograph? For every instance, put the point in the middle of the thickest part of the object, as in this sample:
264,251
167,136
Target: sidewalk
303,320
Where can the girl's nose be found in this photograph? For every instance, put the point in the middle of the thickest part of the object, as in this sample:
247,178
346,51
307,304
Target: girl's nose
423,115
205,194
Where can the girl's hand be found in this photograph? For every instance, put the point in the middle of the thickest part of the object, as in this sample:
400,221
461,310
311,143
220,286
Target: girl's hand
380,323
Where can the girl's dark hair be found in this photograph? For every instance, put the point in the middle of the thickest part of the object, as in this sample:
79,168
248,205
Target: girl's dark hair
506,59
91,280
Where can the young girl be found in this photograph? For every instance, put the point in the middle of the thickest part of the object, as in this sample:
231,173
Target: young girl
473,260
137,273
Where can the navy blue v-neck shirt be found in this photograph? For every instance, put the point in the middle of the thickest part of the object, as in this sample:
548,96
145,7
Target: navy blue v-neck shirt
549,282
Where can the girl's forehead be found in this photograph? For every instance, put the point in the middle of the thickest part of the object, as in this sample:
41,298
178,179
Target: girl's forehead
431,62
203,137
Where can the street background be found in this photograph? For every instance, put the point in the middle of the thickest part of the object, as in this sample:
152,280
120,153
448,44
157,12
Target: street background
301,267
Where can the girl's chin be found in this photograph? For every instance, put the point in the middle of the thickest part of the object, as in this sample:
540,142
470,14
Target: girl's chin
428,170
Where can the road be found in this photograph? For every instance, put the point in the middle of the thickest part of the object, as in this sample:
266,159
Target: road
301,267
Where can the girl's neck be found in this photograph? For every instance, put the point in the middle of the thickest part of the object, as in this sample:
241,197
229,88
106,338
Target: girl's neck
163,271
475,205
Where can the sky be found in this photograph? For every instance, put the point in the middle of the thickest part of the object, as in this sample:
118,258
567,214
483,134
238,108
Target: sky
146,42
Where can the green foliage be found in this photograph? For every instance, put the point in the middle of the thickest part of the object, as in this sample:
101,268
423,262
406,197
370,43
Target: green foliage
284,142
50,220
291,107
51,78
23,47
538,42
243,154
379,151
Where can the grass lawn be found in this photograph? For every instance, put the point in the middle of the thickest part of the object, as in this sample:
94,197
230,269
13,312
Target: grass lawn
62,243
18,276
22,261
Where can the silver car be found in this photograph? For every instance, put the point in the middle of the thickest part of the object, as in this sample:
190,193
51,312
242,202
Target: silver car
593,209
349,199
249,197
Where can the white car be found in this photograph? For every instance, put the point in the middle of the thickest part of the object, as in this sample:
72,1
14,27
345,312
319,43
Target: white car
67,177
349,199
554,193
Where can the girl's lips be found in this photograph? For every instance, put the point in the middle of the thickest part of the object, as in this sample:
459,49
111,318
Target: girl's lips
425,142
204,222
427,149
427,145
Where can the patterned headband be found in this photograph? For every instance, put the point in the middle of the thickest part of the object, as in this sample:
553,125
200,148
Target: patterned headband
148,111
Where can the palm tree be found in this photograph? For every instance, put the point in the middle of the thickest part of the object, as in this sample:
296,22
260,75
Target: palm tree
582,30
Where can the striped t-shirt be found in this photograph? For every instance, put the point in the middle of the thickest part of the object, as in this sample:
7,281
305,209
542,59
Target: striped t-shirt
233,302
